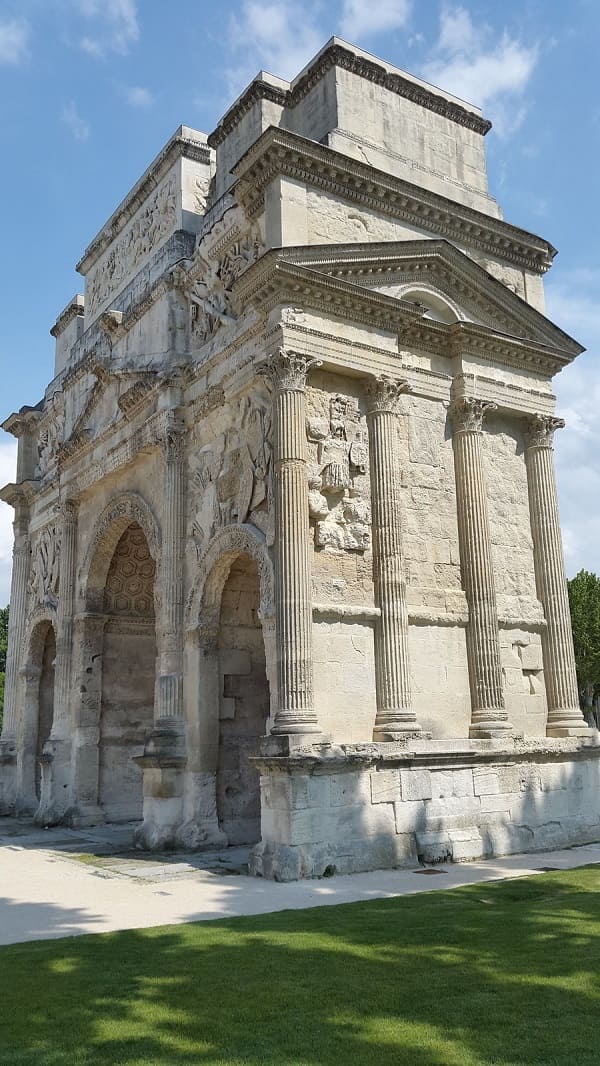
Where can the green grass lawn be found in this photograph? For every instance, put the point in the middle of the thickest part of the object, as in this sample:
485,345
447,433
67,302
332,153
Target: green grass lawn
496,973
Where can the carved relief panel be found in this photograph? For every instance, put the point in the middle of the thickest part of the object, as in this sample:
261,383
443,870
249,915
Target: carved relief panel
50,435
45,568
211,301
230,477
148,228
338,471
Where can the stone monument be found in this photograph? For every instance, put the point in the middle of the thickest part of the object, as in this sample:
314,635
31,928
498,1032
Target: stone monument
288,568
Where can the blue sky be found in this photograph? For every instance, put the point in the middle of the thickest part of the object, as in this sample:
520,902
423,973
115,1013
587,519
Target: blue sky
91,89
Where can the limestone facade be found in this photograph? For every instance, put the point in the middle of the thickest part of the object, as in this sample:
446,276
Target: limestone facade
287,564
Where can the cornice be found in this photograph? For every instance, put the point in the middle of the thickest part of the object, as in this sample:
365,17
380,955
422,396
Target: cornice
256,91
281,152
74,309
23,421
19,492
377,263
274,280
180,146
337,55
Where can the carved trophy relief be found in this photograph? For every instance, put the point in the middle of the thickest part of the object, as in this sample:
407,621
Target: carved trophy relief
149,227
231,477
50,437
338,497
45,568
211,297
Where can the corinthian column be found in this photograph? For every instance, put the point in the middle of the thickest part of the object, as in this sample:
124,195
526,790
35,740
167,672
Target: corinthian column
564,715
395,716
488,713
170,635
16,625
293,594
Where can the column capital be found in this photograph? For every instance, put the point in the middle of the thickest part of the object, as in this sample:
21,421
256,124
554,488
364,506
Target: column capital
539,431
383,393
68,511
287,370
467,413
174,439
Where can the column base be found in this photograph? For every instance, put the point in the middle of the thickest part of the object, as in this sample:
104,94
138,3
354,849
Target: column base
293,725
490,725
569,730
399,726
83,816
201,835
567,723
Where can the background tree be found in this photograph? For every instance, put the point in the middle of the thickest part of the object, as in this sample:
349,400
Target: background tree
3,643
584,601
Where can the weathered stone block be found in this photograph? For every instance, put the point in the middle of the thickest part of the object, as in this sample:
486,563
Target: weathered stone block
385,786
415,784
486,782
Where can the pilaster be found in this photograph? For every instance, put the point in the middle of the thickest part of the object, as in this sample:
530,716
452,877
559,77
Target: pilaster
395,716
16,632
56,761
488,711
564,714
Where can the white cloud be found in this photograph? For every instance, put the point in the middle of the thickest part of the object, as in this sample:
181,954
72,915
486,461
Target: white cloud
14,39
277,36
493,74
363,19
114,26
8,466
74,121
138,96
572,303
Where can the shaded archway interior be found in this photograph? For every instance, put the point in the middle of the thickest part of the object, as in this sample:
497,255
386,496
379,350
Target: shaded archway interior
128,672
244,703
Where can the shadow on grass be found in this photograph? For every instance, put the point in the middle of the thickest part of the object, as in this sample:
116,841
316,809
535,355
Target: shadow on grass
503,973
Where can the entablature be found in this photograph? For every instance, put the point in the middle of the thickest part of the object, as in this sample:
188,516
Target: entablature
279,152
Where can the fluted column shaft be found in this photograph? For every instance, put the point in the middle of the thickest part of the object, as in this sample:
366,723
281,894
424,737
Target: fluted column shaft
16,624
66,601
488,712
170,635
564,715
395,716
293,592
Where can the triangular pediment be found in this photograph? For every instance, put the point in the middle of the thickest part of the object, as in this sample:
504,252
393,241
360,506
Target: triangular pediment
435,280
104,397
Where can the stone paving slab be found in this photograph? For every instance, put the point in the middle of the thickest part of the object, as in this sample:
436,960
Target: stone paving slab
47,892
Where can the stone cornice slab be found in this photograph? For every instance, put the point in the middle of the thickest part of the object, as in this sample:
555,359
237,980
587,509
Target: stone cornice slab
337,53
279,152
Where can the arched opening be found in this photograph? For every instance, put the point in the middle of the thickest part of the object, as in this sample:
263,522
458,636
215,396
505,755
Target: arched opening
128,673
431,305
243,702
45,702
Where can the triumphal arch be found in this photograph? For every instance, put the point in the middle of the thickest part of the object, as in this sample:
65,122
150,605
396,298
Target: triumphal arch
288,567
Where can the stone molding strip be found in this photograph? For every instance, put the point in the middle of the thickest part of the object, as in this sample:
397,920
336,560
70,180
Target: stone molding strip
336,55
280,152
